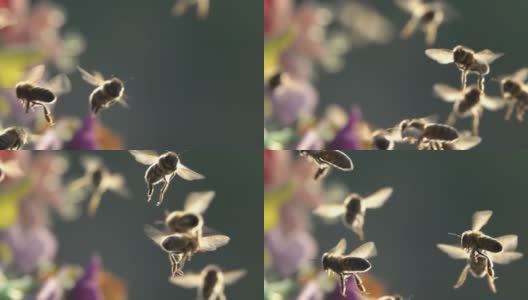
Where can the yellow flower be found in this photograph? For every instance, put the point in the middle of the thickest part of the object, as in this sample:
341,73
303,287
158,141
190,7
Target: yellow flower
273,49
15,64
272,203
9,202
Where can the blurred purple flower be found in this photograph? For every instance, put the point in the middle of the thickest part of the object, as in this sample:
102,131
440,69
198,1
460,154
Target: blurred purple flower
311,141
293,99
85,138
348,138
30,247
311,291
289,250
87,287
351,291
49,141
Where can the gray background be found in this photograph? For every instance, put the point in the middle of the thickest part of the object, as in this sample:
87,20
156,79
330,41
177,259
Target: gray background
117,235
394,81
190,82
435,194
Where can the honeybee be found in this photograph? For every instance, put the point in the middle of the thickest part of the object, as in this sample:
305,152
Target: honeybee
467,61
31,93
275,81
181,7
163,168
107,92
326,159
385,139
352,211
13,138
514,90
210,282
435,136
481,265
349,265
99,180
426,16
182,246
10,168
469,102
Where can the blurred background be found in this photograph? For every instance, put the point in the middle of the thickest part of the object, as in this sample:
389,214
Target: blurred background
116,232
434,194
394,81
183,75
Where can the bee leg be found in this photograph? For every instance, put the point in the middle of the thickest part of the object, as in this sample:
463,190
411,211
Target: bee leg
173,265
476,124
320,172
47,114
150,191
430,34
163,190
463,79
509,111
521,109
359,283
357,226
342,283
481,80
489,268
462,277
28,105
491,283
451,119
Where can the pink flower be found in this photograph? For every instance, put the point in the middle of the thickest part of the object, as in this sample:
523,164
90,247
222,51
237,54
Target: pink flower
293,99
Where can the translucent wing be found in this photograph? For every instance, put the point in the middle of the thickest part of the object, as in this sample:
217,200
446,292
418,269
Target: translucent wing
60,84
337,159
466,142
377,199
95,79
187,173
487,56
233,276
365,251
91,163
506,257
189,280
453,251
115,183
330,211
521,75
508,242
409,6
410,28
441,56
213,242
447,93
480,218
339,248
198,202
203,8
145,157
36,74
154,234
492,103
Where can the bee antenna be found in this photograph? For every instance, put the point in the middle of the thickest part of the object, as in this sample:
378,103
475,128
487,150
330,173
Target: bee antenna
454,234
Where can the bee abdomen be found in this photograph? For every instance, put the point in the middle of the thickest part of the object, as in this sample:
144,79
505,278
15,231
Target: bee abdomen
210,281
154,174
356,264
41,94
490,244
440,132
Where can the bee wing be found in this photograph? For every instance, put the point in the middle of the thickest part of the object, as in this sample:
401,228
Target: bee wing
203,8
480,218
36,73
145,157
95,79
187,173
466,142
493,103
447,93
339,248
410,28
487,56
91,163
11,168
365,251
337,159
505,257
330,211
60,84
521,75
377,199
441,56
453,251
213,242
115,183
233,276
154,234
198,202
79,183
94,202
508,242
409,6
188,281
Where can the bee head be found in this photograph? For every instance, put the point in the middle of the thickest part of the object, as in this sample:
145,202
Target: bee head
324,261
22,90
178,222
467,239
473,95
381,142
19,134
169,160
114,87
97,177
509,88
460,53
429,16
275,81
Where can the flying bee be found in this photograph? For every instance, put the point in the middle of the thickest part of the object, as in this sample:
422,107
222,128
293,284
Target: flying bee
99,180
328,158
210,282
31,93
10,168
482,265
163,168
435,136
352,211
13,138
425,16
514,90
469,102
181,7
182,246
467,61
107,93
349,265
